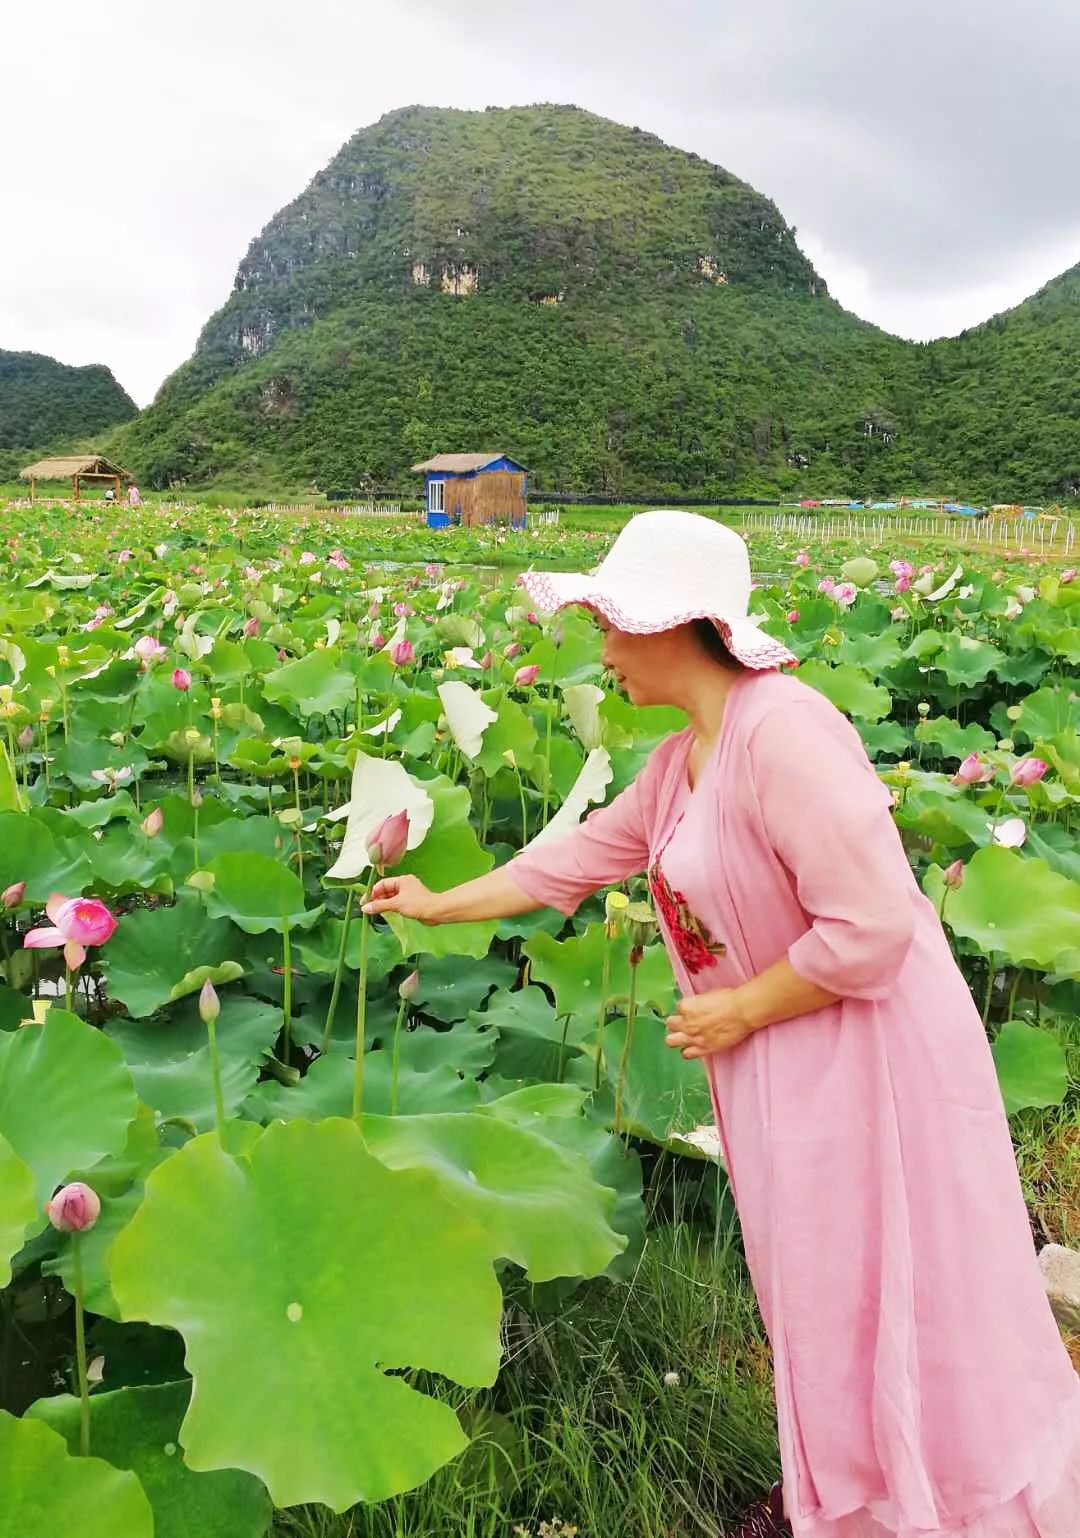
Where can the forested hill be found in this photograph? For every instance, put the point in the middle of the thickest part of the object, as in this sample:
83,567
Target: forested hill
47,405
619,315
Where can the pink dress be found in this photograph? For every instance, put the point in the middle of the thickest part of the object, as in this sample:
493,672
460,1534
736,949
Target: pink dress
922,1388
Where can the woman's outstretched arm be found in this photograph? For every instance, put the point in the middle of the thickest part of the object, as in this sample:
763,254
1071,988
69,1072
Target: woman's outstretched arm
494,896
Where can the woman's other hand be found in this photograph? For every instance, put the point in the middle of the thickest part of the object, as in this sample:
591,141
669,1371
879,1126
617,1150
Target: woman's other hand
708,1022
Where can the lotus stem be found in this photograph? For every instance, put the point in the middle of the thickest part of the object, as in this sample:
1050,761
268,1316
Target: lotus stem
339,970
194,805
631,1010
80,1347
69,979
524,809
991,974
1014,990
286,989
361,1006
601,1021
215,1075
398,1023
547,755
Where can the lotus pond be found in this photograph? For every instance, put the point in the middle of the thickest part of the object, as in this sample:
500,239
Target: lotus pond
427,1225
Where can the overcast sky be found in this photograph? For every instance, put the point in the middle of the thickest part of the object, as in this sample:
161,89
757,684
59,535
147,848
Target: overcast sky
927,151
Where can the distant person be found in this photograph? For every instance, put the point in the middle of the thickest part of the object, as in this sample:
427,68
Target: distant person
110,496
134,499
922,1386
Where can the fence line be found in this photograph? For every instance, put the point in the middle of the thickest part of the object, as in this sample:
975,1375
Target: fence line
1058,536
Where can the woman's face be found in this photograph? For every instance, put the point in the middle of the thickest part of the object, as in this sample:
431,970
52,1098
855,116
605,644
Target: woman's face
646,666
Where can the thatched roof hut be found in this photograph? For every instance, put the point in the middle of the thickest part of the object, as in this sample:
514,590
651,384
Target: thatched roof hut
77,468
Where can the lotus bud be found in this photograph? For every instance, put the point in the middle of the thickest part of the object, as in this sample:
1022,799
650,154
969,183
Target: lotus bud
25,738
486,660
388,843
972,771
527,675
792,616
615,906
117,739
209,1003
1067,576
153,822
1028,771
509,756
402,653
181,679
376,640
409,988
12,895
74,1208
802,558
512,651
251,626
954,874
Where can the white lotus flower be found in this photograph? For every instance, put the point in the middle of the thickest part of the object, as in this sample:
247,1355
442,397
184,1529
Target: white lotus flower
583,703
467,716
1010,834
333,630
461,657
380,787
706,1139
946,587
591,785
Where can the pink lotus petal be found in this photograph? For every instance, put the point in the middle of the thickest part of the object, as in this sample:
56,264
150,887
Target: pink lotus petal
42,939
74,955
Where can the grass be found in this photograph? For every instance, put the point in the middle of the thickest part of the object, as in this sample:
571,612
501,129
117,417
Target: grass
582,1432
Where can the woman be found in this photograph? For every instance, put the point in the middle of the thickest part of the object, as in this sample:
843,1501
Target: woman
922,1388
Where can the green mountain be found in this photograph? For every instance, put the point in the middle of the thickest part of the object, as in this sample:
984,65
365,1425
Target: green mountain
46,405
619,315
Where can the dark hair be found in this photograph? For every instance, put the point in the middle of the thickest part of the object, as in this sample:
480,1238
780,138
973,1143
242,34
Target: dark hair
712,642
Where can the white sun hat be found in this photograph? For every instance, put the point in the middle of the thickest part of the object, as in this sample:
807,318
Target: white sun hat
667,568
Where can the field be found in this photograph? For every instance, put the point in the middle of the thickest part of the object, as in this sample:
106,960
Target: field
416,1208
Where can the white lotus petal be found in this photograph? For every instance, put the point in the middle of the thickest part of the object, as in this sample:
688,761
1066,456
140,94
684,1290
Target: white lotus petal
14,658
466,715
582,706
399,632
590,785
946,587
381,728
333,630
463,657
705,1138
380,787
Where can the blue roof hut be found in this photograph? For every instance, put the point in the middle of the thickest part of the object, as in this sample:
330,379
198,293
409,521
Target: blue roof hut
472,489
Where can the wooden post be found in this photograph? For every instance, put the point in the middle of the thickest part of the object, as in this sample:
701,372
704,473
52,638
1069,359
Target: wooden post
33,489
75,487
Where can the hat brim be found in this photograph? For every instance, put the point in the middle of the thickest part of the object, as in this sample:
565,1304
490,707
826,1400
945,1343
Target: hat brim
552,591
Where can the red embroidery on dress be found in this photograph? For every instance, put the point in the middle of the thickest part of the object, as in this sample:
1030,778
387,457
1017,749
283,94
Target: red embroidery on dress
694,945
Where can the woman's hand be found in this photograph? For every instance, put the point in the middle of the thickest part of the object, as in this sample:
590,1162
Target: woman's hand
708,1022
406,895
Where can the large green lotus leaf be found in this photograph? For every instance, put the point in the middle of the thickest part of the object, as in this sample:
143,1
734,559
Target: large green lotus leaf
1015,907
873,654
538,1204
1026,668
28,852
170,1060
534,1041
318,952
18,1209
66,1098
573,969
314,685
448,990
1031,1066
258,894
307,1261
467,1047
966,661
156,954
47,1493
242,835
327,1089
80,756
106,809
664,1093
1063,752
942,812
954,740
1048,711
451,853
850,689
553,1112
138,1429
577,659
511,732
884,737
1058,846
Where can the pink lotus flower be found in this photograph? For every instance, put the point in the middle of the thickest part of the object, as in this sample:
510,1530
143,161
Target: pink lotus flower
827,586
409,987
148,649
74,1208
337,558
1067,576
487,659
1010,834
531,617
513,650
376,640
431,570
902,584
308,558
78,921
153,822
527,675
845,594
901,568
12,895
25,739
402,653
1028,771
401,610
972,771
802,559
954,874
251,626
181,679
792,616
389,841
